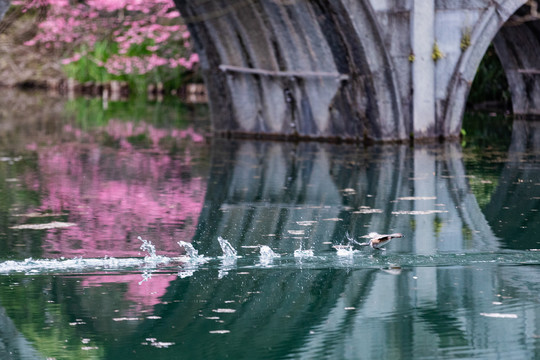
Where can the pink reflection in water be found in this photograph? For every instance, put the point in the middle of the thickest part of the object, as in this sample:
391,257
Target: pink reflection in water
142,295
115,195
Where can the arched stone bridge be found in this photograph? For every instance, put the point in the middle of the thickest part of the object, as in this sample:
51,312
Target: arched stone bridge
362,69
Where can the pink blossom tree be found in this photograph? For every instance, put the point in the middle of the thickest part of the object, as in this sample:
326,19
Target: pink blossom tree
115,39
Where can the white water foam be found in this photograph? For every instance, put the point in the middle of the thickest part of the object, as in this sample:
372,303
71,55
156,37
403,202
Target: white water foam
344,250
301,253
227,264
267,255
33,266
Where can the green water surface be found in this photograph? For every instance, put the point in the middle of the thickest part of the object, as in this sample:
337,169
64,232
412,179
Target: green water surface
80,182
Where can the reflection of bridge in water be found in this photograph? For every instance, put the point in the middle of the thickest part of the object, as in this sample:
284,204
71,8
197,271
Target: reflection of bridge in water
307,194
284,195
513,211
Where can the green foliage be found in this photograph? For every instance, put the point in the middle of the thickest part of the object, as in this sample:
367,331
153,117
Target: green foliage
90,67
465,39
483,186
490,83
486,129
50,322
16,198
437,54
437,225
140,141
90,113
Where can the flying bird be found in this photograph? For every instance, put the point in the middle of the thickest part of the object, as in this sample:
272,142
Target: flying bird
376,240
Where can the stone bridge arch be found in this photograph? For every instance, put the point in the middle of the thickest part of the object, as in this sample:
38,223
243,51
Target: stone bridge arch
356,69
487,29
296,68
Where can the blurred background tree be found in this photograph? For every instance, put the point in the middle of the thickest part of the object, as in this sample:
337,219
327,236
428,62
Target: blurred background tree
140,42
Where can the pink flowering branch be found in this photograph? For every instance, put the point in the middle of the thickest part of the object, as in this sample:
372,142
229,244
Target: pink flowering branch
145,35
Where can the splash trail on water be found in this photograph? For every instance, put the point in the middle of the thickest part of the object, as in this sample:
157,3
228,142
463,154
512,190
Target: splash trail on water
191,261
45,265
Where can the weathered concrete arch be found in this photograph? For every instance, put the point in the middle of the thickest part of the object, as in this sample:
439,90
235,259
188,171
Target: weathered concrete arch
404,68
306,46
518,48
482,34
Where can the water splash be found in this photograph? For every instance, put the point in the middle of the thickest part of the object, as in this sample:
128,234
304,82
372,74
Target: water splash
227,264
186,273
32,266
227,248
189,264
148,247
228,260
152,258
301,253
146,275
190,250
192,253
267,255
344,250
352,241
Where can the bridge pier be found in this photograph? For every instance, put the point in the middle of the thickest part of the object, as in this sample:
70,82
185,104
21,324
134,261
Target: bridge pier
356,70
423,68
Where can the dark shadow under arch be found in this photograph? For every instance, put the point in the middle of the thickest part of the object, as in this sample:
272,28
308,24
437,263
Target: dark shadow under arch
518,47
486,29
489,90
